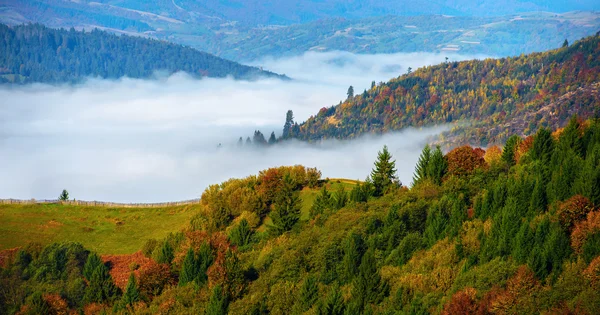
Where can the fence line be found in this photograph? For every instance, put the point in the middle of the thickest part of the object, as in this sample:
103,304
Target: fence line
101,203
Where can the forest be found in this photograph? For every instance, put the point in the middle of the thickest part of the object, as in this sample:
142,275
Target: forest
35,53
512,230
486,100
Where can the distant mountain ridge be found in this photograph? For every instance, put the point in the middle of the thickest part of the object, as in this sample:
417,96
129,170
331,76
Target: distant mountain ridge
490,99
35,53
250,30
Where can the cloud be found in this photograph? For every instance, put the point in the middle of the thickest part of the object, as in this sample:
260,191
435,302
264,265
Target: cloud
156,140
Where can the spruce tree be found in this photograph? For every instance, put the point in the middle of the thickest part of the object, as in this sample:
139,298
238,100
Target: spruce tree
422,165
101,287
340,198
322,202
132,294
241,234
287,208
350,92
204,260
437,166
353,252
543,146
287,127
93,261
309,293
166,255
508,153
64,195
188,268
218,303
368,286
272,138
334,303
570,137
384,173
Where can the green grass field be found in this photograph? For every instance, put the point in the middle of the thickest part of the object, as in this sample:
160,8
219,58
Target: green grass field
110,230
103,229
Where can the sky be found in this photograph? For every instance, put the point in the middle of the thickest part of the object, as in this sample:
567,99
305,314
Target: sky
132,140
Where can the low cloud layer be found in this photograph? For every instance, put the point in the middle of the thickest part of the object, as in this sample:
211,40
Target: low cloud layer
156,140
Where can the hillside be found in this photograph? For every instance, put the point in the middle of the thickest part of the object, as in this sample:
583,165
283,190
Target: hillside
487,99
35,53
503,231
228,31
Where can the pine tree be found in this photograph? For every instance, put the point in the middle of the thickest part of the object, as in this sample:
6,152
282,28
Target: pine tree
132,294
350,92
188,268
166,254
322,202
309,293
353,252
101,287
240,142
248,141
368,286
93,261
334,303
340,198
543,146
287,208
64,195
259,139
508,153
287,127
422,165
437,166
241,234
384,173
218,303
272,138
565,43
570,137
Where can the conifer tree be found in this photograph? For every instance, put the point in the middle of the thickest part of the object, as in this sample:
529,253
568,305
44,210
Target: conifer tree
272,138
340,198
287,208
543,146
64,195
570,137
539,200
131,294
188,268
241,234
166,254
309,293
322,202
218,303
350,92
353,252
334,303
422,165
384,173
368,286
287,127
437,166
508,153
93,261
101,287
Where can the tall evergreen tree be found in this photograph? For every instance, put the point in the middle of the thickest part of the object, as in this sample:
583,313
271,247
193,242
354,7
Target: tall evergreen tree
543,146
287,208
508,153
101,287
218,303
188,268
570,137
309,293
272,138
92,262
422,165
241,235
384,173
350,92
368,286
340,198
437,166
132,293
166,253
287,127
64,195
334,302
322,202
353,252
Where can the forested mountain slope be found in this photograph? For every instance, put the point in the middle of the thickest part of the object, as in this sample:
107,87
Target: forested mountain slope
503,231
35,53
227,30
493,97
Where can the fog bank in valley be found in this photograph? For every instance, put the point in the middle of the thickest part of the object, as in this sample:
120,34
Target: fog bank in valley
157,140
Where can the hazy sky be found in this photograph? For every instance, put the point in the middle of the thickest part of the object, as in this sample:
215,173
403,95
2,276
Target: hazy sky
156,140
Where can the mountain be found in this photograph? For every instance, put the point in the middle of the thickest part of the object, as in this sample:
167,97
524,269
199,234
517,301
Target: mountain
35,53
228,30
488,99
511,231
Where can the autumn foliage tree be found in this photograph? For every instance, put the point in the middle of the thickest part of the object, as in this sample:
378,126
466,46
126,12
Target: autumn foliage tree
464,160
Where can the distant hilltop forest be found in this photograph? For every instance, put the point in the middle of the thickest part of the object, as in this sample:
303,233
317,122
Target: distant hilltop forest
490,99
35,53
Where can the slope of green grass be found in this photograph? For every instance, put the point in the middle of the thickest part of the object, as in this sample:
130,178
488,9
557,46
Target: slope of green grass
105,230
